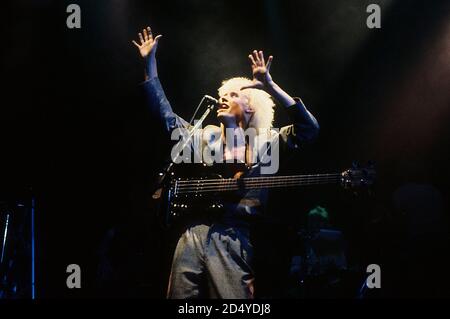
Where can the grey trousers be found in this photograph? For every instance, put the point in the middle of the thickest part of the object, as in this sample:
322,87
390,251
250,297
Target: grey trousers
212,261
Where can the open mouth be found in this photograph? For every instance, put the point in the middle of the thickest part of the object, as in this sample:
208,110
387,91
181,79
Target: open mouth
222,106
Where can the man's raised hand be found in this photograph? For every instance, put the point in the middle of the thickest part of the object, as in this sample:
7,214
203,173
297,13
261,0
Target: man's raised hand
148,44
260,70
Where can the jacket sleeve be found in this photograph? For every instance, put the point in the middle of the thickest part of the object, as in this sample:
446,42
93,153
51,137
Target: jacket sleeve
304,128
159,106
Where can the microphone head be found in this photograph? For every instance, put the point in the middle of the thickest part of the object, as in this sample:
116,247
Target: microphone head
211,99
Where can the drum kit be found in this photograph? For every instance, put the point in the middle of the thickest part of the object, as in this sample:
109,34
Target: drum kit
319,267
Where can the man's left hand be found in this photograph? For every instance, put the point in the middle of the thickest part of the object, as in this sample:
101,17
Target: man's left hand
260,69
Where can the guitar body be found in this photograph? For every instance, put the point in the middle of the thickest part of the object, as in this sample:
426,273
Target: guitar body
173,205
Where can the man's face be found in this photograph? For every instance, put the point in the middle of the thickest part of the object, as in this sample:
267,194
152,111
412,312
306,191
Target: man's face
233,108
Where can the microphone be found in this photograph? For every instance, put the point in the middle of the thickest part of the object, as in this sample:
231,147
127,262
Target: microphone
210,99
212,103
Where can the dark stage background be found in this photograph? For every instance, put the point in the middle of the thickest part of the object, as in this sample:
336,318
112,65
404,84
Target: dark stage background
74,127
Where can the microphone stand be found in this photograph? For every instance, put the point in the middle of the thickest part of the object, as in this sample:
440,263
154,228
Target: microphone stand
167,169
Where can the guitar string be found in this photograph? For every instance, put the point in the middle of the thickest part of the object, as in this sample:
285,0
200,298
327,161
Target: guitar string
246,181
250,182
219,180
255,184
225,184
258,182
186,191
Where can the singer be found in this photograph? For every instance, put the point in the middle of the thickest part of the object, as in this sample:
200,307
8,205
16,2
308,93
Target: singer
214,256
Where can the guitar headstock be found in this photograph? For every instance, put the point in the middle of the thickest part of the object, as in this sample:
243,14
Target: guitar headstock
358,176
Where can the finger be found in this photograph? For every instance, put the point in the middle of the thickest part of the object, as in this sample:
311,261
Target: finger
255,55
155,43
135,43
145,34
141,38
261,57
269,63
252,60
157,38
150,34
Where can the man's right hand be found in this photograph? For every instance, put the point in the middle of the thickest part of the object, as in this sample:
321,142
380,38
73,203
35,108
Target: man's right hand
148,45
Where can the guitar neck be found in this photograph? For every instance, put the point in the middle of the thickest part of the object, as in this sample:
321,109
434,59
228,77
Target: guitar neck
294,180
248,183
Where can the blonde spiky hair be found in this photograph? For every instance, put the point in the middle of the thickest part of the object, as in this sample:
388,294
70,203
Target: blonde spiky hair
259,100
